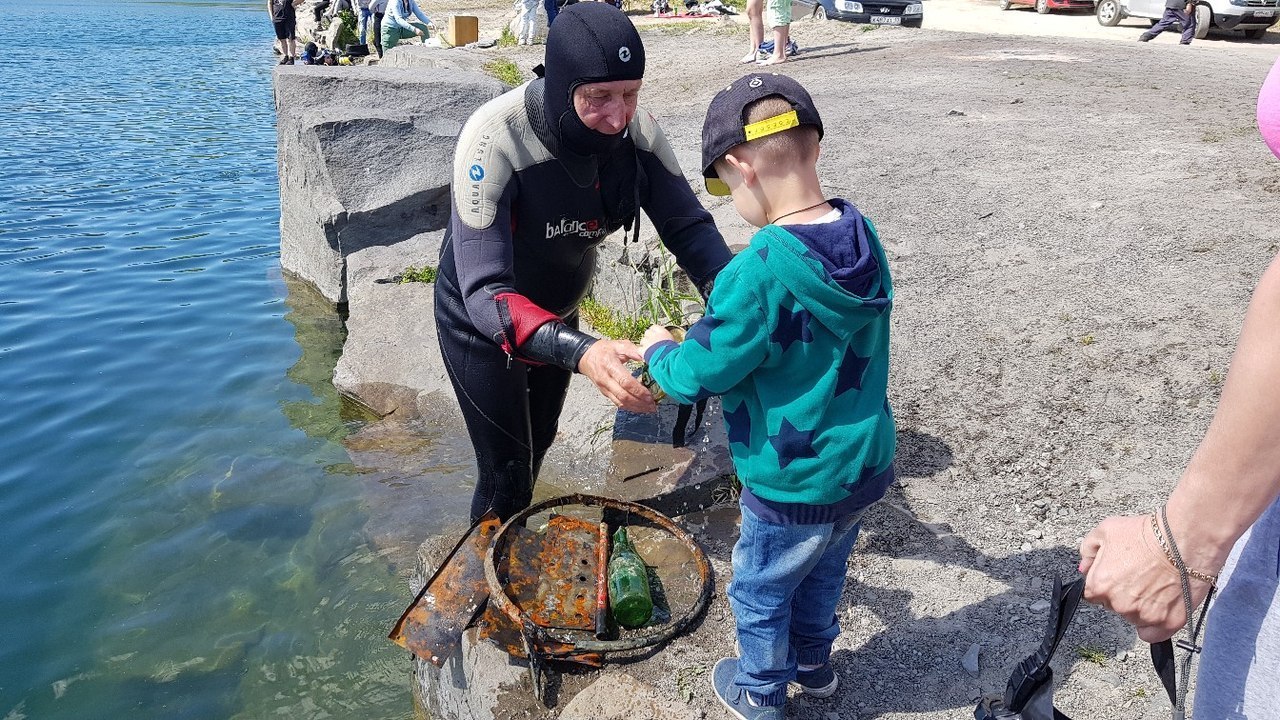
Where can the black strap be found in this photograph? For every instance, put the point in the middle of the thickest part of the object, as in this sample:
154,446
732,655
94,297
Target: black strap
682,420
1162,658
1029,694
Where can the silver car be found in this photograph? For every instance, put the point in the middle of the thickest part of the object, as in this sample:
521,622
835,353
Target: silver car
1251,16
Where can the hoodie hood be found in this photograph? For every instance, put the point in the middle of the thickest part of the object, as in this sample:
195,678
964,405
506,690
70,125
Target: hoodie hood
836,270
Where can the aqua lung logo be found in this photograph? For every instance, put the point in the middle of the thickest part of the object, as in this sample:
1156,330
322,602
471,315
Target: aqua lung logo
624,54
587,229
475,198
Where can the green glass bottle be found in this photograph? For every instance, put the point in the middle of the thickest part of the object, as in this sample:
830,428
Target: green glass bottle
629,598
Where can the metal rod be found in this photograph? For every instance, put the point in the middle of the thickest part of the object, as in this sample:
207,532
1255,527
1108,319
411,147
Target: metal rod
602,582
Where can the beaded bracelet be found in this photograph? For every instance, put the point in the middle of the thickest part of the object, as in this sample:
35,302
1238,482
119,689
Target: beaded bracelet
1202,577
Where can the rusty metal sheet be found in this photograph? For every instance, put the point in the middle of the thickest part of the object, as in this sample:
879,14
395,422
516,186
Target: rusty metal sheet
494,626
551,573
432,626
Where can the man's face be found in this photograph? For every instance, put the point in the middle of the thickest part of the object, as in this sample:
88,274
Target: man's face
607,107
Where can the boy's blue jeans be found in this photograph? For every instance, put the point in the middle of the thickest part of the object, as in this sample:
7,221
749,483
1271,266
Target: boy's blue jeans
787,580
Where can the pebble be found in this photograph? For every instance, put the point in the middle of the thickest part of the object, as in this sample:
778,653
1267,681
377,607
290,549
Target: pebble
1035,533
956,112
1039,606
1097,205
970,660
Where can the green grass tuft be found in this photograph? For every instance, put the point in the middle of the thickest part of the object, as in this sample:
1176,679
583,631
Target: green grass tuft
612,324
424,274
505,70
1092,654
507,39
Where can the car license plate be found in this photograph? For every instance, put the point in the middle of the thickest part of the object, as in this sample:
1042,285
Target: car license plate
885,20
1264,13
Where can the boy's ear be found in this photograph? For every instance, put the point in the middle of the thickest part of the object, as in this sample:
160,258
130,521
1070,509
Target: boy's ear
741,164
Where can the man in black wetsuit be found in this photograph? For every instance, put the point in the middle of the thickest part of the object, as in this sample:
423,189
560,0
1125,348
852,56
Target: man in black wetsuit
541,175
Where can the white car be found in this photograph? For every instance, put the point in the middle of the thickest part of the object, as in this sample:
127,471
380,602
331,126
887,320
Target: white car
1251,16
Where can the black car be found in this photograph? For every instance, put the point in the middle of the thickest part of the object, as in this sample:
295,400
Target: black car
876,12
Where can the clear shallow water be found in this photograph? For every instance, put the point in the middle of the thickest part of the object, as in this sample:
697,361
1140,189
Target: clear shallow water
182,535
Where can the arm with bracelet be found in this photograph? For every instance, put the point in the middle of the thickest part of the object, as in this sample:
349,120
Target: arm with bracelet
1231,480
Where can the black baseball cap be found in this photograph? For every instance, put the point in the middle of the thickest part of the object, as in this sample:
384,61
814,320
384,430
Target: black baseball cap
726,125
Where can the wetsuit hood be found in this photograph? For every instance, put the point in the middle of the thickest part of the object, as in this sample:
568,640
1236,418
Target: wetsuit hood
588,43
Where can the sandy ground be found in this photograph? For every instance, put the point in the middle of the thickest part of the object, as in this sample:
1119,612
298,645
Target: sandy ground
1074,227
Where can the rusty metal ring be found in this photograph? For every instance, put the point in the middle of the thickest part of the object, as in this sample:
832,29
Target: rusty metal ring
498,594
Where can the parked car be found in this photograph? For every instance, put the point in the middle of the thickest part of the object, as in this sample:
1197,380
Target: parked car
1251,16
875,12
1044,6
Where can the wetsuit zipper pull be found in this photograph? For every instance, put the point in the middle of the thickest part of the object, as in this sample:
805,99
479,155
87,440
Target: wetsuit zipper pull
508,361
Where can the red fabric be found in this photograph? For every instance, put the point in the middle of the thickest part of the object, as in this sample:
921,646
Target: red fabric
526,318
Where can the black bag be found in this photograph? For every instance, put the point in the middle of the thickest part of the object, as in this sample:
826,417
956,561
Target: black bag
1029,695
357,50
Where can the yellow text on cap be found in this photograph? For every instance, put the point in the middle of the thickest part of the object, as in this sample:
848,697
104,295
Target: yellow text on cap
769,126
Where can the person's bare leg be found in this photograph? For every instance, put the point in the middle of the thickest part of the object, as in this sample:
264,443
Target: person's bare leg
781,35
293,48
755,18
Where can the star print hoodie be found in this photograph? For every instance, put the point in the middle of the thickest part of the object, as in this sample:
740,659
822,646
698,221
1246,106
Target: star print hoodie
796,342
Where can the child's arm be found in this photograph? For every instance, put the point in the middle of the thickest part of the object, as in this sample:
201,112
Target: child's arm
719,350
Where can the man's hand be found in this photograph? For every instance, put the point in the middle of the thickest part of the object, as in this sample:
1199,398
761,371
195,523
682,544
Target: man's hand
654,335
1127,573
603,363
1190,9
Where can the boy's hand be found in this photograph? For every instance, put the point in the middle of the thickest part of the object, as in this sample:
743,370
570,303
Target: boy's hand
654,335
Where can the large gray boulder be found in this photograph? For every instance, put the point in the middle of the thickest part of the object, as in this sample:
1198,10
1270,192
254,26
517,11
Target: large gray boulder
416,55
365,158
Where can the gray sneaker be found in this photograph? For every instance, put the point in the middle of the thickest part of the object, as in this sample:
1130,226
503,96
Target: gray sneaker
736,699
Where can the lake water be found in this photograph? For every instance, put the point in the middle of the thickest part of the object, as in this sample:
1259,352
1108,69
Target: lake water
184,535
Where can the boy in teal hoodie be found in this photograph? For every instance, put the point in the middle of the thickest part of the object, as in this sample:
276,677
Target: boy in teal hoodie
796,342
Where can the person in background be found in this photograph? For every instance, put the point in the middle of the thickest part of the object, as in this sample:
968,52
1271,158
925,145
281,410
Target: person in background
1176,12
285,19
755,21
379,9
542,174
400,23
796,342
365,15
777,15
1223,518
527,20
339,6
